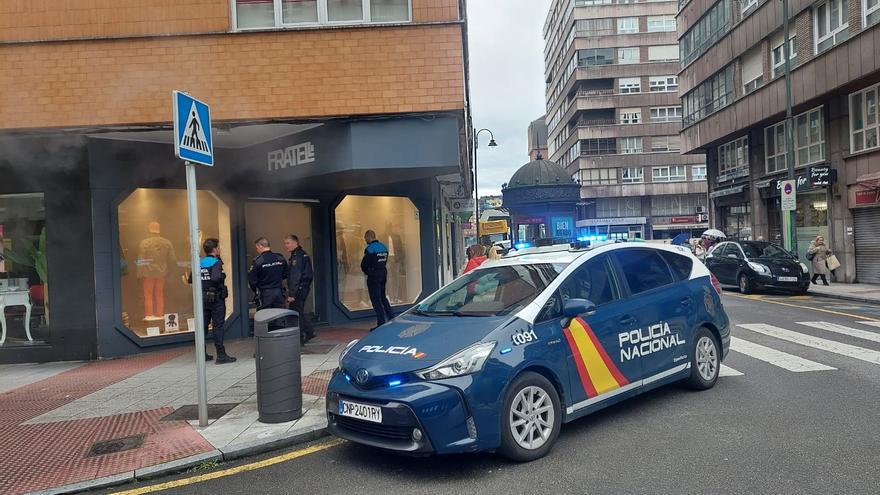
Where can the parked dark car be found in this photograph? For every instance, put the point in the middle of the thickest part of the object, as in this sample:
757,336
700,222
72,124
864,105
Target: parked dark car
758,265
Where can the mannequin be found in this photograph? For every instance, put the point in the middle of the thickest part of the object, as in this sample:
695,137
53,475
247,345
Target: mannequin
155,257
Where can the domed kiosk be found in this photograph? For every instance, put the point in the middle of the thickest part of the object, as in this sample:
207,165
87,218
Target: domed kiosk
542,200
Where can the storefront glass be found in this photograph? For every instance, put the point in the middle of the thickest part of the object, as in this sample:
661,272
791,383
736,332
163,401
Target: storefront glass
24,294
396,223
155,251
811,219
737,221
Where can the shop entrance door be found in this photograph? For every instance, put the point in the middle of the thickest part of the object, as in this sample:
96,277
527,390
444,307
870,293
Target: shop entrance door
275,219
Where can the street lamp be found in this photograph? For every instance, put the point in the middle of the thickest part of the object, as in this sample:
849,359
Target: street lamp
492,144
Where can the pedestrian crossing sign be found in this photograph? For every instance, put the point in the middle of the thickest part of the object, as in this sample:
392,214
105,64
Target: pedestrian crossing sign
192,129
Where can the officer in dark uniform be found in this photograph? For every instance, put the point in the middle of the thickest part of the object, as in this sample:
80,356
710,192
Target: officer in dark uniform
375,265
267,275
214,294
298,284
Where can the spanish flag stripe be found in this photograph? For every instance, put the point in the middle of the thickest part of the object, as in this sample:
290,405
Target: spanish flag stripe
599,373
618,376
589,389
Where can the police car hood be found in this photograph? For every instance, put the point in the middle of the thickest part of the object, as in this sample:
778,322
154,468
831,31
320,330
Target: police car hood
412,342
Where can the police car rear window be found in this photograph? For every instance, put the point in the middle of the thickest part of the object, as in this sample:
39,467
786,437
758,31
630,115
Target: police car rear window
681,265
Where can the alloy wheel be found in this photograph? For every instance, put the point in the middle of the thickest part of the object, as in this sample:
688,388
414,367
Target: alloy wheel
707,358
532,417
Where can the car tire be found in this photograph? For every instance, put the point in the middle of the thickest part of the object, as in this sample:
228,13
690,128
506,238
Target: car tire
525,416
745,285
705,361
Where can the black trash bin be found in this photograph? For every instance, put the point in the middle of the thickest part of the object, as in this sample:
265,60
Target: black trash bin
279,374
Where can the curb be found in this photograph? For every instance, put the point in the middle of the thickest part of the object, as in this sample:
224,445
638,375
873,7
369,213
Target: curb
178,465
845,297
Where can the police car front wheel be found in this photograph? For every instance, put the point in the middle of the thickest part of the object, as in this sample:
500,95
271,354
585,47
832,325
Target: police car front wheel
531,418
705,362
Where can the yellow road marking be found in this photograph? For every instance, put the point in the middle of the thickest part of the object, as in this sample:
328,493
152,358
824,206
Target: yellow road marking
770,301
232,471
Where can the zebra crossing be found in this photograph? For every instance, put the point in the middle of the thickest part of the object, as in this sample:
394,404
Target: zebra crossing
798,364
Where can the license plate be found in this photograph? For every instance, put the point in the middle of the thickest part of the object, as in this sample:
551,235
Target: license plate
365,412
788,279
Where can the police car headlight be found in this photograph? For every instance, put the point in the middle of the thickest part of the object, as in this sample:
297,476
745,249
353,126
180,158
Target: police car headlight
759,268
464,362
805,268
345,351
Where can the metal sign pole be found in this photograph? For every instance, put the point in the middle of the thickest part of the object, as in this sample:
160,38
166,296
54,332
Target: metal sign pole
201,370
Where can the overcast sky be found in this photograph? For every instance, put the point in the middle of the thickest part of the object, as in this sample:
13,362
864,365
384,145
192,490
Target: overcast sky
507,82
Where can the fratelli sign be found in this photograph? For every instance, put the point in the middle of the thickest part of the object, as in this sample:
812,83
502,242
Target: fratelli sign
298,154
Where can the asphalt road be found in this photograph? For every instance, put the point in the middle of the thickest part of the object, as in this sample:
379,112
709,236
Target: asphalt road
766,430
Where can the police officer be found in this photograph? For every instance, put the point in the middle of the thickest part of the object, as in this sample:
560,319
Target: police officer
214,294
375,265
298,284
267,275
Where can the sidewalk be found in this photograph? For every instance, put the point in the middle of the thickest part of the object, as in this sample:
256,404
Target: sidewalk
865,293
56,418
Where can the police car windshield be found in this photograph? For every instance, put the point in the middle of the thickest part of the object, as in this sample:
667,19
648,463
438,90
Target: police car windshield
491,291
758,249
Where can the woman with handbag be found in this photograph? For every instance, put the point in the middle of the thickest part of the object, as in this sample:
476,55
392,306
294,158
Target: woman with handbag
818,254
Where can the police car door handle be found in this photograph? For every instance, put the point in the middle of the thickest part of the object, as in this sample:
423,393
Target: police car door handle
627,320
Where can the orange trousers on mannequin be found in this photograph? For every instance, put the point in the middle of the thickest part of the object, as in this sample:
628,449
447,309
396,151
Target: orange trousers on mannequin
154,296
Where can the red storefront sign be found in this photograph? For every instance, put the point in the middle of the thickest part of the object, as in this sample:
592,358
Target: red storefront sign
682,219
868,197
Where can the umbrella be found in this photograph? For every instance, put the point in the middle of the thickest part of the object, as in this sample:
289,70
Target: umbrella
715,233
681,240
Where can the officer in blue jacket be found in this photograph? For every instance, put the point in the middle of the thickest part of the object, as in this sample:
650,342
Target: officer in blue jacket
214,294
267,275
299,283
375,265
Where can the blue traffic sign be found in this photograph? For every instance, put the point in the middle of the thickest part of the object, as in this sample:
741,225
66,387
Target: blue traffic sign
192,130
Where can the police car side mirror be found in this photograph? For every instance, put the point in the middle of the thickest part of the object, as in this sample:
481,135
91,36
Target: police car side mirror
577,307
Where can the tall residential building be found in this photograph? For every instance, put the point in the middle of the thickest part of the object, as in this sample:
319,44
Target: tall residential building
733,92
614,115
330,117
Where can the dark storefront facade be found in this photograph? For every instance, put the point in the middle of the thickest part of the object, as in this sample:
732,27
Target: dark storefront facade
79,214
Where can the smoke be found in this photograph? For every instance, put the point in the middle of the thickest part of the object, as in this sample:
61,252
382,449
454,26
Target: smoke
56,152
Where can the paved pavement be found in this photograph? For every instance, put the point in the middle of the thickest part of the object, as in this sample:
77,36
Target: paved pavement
51,415
868,293
795,412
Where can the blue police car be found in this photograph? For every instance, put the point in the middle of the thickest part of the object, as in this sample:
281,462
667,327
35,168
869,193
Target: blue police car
499,358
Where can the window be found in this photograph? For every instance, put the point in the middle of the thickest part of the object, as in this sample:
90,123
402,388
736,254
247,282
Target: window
396,222
809,141
628,85
593,27
863,119
591,147
630,145
733,157
251,14
582,3
665,114
669,173
830,23
711,95
633,175
628,55
628,25
777,55
154,250
573,152
24,283
598,176
593,281
666,143
663,83
644,269
698,172
595,56
746,6
661,23
662,53
630,116
870,12
714,24
677,205
681,265
619,207
752,67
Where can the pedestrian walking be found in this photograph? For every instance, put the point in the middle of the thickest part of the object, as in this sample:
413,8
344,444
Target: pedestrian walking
267,275
214,294
476,255
818,253
299,283
375,266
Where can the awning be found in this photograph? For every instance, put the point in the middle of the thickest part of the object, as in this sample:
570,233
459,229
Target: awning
681,226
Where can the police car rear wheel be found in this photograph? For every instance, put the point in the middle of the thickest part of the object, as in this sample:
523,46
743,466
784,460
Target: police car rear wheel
532,418
706,361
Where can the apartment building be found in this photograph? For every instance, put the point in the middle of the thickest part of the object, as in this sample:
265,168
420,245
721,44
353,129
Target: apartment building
331,117
733,94
613,116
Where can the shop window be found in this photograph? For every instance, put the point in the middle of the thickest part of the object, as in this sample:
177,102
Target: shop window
155,258
256,14
24,283
396,223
